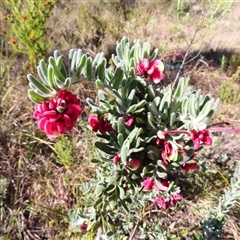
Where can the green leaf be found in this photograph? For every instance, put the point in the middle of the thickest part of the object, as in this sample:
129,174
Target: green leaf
43,69
99,190
38,84
172,118
139,105
61,66
98,201
35,97
124,151
133,135
117,79
100,71
120,139
152,108
67,83
98,83
89,69
72,62
121,192
205,111
81,65
56,71
148,169
96,161
105,148
131,96
151,120
78,57
121,125
154,54
125,208
193,106
184,106
179,91
94,106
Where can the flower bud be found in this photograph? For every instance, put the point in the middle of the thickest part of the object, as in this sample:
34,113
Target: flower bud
134,164
116,159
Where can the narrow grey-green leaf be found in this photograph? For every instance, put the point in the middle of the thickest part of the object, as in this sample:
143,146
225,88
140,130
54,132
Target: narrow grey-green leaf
81,65
38,84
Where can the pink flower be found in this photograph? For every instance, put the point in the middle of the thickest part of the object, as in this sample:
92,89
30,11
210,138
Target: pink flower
99,124
134,164
116,159
129,121
148,183
160,202
189,166
59,114
152,69
175,198
200,136
169,153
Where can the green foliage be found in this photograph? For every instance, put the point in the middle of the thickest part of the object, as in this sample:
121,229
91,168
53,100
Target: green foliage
229,90
155,110
54,76
3,191
27,22
214,221
234,63
64,151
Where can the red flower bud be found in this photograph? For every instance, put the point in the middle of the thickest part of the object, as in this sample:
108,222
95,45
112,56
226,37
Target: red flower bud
134,164
116,159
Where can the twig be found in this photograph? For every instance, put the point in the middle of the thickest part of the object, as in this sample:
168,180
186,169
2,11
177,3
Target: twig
134,231
186,55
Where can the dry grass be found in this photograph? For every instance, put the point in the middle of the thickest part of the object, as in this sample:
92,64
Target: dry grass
39,191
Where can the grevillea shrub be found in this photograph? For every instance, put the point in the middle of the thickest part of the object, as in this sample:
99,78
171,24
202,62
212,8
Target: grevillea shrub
147,131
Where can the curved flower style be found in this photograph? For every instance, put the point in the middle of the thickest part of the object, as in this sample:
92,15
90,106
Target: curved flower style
59,114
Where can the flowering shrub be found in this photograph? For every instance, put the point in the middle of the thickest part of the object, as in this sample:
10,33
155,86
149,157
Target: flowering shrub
146,131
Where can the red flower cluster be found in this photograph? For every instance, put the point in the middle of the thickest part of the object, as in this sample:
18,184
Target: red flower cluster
59,114
99,124
152,69
149,183
200,136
